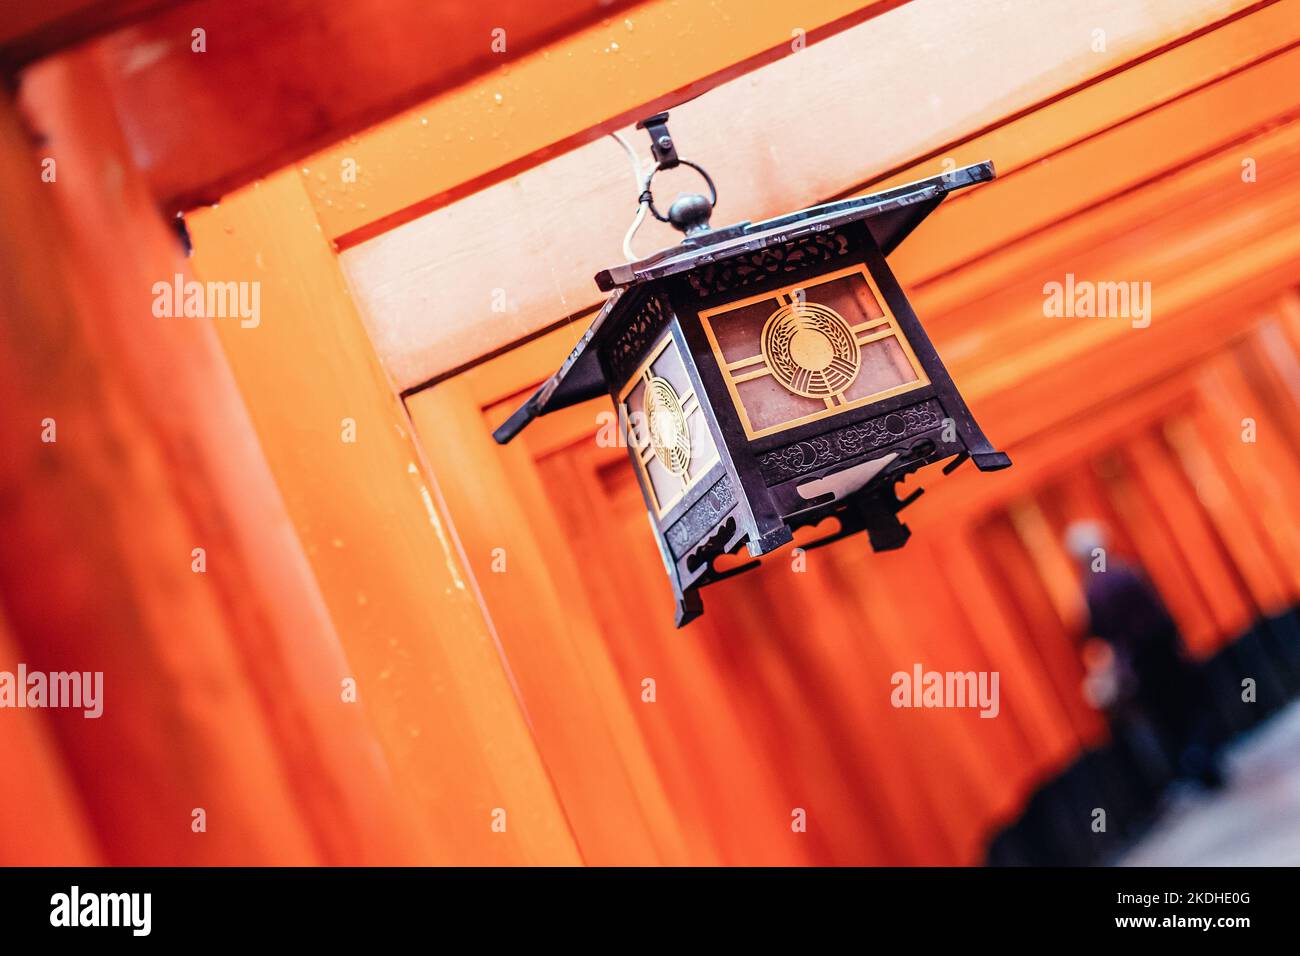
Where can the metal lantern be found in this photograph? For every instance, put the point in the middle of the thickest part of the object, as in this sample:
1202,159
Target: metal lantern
770,375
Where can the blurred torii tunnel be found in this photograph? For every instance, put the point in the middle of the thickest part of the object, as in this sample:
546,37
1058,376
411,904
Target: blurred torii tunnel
337,619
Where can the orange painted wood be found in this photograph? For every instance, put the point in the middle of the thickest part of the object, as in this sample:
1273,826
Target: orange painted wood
748,706
1174,500
222,688
1103,390
1115,98
431,290
1212,180
29,31
888,629
1042,542
653,56
1221,494
1037,736
671,738
1242,389
954,783
754,694
501,608
1208,245
785,686
1157,550
42,820
581,715
1056,648
1194,280
1214,276
1157,143
1051,454
92,527
279,81
806,685
439,696
1271,361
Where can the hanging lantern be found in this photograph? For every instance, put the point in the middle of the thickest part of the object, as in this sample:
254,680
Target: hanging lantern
770,375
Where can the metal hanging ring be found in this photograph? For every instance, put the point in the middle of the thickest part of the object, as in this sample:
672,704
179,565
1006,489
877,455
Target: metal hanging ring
649,199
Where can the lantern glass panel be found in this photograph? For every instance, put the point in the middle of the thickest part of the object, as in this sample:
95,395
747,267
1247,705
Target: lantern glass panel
666,430
810,350
885,366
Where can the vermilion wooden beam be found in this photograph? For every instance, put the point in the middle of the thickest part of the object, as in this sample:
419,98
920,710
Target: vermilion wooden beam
222,681
1031,374
42,820
370,517
29,31
603,78
780,139
275,81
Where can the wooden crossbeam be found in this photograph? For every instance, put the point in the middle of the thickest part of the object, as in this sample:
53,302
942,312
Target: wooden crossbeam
427,288
1027,373
657,56
264,84
145,538
29,31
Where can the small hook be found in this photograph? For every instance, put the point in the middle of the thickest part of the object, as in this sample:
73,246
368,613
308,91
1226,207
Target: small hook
689,213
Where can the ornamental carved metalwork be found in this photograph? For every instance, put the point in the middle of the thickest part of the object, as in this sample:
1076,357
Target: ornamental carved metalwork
626,349
806,456
702,516
745,270
811,350
669,436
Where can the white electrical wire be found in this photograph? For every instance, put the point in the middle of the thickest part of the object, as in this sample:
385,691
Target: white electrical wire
642,180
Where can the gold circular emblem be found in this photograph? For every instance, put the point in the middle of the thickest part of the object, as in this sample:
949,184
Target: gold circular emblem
811,349
669,436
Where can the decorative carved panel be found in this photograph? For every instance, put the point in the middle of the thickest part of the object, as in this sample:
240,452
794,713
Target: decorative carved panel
701,516
843,444
626,351
744,271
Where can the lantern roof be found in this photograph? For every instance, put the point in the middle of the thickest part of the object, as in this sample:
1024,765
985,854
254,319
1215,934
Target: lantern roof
890,215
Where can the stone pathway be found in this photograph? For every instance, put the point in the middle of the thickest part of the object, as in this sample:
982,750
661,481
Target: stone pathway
1254,821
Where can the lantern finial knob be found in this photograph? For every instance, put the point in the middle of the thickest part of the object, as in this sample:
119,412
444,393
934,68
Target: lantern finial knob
690,213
